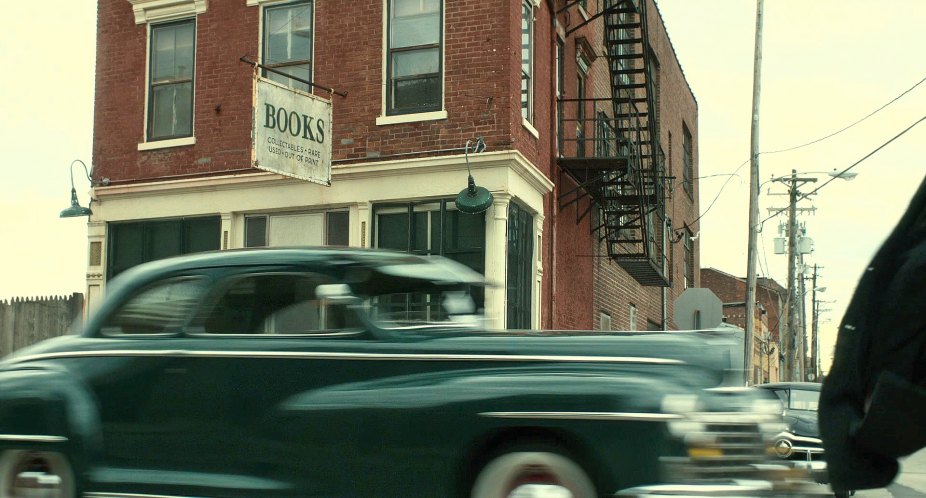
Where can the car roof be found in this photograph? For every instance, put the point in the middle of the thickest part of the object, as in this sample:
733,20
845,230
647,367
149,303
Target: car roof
807,386
396,266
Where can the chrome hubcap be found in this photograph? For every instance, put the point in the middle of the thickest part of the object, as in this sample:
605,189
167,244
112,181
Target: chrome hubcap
32,474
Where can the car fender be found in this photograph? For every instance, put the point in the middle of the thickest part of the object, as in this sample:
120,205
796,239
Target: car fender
44,405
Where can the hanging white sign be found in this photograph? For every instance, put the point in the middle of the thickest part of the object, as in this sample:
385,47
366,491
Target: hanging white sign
291,132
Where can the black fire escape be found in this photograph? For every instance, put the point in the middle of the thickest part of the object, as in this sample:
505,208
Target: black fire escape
609,141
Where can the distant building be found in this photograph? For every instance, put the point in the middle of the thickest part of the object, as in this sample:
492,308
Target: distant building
590,129
771,316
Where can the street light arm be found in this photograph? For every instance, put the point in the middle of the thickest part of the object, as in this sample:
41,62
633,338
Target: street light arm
86,171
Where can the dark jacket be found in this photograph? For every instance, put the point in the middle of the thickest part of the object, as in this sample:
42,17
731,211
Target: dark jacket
873,401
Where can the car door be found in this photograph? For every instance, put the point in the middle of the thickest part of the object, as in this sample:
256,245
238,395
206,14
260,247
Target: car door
270,340
149,425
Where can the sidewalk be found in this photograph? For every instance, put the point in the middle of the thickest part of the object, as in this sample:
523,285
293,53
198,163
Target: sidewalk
911,483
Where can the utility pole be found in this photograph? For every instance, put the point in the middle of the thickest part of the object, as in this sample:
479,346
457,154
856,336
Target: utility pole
790,343
752,255
815,310
791,349
814,327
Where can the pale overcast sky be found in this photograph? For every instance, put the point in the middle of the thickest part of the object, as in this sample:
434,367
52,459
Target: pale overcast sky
827,63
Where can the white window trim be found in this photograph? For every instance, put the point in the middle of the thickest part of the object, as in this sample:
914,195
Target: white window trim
384,119
260,30
530,127
255,3
145,144
165,144
147,11
410,118
530,90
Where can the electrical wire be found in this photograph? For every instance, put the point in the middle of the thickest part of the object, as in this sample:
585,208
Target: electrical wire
856,163
895,99
722,187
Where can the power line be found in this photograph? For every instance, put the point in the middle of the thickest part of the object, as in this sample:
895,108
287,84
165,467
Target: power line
895,99
730,177
838,175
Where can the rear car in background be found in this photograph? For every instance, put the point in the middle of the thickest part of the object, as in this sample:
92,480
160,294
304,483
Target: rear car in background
800,442
292,373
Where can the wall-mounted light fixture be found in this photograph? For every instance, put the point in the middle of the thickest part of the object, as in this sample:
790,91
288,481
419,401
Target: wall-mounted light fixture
76,209
473,199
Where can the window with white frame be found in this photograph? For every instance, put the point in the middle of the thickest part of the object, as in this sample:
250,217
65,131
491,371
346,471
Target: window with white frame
527,61
633,318
287,43
170,81
604,321
688,158
431,227
582,66
689,259
291,229
414,80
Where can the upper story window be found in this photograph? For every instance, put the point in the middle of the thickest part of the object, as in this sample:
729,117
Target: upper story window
415,37
688,173
287,43
171,69
527,61
689,259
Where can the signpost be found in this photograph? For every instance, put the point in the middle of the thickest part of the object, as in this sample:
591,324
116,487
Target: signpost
291,132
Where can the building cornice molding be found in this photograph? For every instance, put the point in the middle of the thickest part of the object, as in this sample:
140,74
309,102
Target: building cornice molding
147,11
512,160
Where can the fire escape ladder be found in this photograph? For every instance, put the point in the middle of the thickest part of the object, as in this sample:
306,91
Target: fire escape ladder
609,146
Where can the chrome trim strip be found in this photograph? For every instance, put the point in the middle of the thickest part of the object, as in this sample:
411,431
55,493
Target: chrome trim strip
32,438
350,356
129,495
802,439
639,417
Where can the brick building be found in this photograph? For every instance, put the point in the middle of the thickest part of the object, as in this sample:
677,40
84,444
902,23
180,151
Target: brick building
771,316
589,125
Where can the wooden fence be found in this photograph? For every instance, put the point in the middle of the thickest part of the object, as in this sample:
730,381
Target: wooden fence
26,321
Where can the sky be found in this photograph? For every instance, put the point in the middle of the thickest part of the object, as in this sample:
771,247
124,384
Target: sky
826,64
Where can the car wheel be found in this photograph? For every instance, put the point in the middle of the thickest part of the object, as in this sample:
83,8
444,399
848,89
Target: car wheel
525,474
35,473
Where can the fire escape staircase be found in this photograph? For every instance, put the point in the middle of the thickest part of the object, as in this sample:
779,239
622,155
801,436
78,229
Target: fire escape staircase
613,153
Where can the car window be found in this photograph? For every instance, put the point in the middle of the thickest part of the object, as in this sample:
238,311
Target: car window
804,399
782,395
275,303
160,308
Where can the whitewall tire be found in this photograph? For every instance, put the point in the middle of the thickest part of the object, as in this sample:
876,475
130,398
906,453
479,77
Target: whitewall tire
532,474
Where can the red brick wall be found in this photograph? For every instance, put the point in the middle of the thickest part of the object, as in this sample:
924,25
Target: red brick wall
732,289
222,101
614,290
482,87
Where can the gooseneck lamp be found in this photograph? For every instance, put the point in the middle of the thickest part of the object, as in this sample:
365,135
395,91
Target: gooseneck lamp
473,199
76,209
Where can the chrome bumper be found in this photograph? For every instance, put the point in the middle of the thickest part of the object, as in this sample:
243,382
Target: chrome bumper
732,489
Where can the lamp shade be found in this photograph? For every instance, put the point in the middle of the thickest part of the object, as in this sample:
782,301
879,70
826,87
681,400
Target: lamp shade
473,199
76,209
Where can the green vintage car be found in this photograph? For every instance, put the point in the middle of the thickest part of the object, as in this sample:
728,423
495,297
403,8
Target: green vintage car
350,373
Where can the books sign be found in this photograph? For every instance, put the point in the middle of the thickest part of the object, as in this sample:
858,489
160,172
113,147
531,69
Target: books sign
291,132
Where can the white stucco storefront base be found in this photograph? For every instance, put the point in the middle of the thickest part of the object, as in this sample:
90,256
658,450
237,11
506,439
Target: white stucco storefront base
355,187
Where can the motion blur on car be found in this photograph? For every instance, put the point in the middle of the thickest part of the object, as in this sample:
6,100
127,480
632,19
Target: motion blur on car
345,373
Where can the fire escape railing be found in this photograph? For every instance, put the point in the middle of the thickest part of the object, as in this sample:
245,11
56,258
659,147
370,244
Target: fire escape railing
609,145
